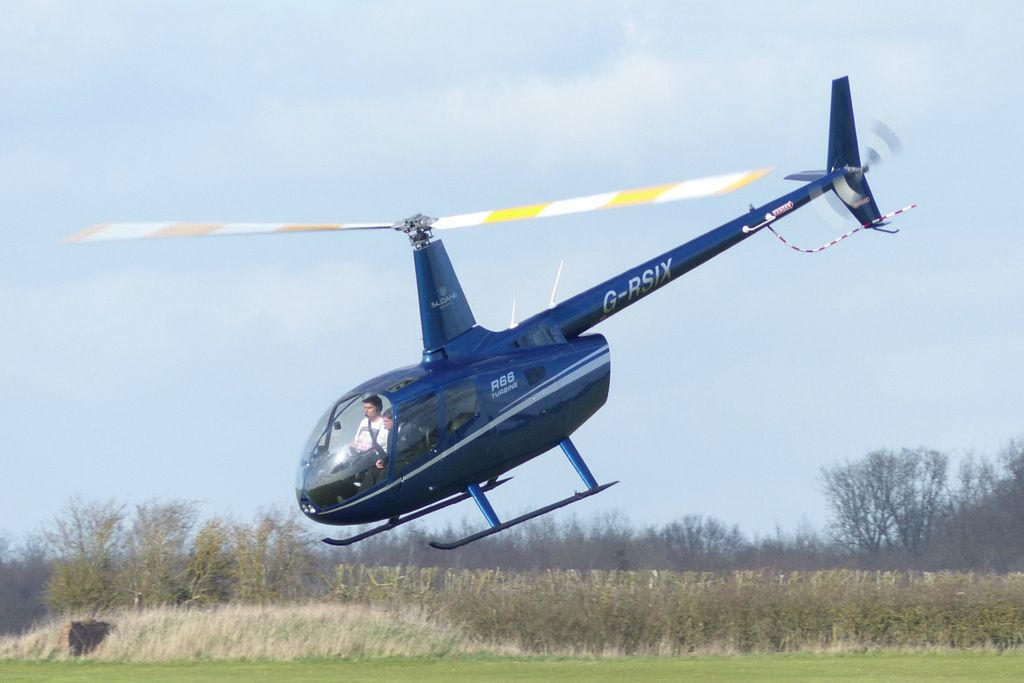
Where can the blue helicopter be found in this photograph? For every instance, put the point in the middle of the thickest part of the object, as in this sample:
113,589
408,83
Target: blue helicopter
479,403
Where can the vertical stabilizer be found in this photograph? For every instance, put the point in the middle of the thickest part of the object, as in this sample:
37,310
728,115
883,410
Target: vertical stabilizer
843,152
842,131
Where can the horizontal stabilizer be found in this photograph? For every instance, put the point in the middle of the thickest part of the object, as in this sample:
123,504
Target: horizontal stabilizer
807,176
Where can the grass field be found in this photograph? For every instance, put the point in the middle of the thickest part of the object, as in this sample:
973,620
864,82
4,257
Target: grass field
891,667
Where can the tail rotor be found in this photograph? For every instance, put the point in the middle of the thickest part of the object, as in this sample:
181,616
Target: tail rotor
883,144
852,187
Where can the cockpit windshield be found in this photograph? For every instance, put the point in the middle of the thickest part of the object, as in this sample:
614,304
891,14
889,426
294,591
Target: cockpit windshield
348,451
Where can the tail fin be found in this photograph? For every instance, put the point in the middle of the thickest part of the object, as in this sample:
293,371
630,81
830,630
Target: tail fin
843,152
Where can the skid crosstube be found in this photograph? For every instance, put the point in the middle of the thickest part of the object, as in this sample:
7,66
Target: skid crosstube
519,520
477,493
398,521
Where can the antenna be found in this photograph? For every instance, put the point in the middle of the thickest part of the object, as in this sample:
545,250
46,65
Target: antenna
555,289
513,324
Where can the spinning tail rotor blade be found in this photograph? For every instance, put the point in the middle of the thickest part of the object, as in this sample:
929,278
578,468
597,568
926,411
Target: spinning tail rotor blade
687,189
883,144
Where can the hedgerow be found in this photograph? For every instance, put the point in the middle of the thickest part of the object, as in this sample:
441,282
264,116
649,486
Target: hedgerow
653,612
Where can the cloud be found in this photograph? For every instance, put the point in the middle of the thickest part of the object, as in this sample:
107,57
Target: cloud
640,105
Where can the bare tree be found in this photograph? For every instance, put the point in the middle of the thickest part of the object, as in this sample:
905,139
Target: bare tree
859,495
23,573
699,542
887,499
209,574
969,536
920,496
273,558
155,554
87,542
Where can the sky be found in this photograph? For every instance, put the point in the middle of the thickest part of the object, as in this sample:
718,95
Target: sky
194,369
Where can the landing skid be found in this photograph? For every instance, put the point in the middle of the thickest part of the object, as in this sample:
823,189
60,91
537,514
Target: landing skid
519,520
398,521
497,525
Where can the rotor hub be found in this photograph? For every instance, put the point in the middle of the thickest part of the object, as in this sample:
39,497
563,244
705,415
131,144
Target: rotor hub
857,170
417,228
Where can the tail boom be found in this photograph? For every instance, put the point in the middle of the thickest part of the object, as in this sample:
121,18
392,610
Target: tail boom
845,177
576,315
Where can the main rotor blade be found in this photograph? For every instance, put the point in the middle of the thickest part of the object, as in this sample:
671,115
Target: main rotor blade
129,231
687,189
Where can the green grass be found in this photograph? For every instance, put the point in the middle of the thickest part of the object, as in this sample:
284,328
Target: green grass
890,666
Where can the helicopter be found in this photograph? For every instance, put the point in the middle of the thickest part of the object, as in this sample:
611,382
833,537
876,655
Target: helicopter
479,403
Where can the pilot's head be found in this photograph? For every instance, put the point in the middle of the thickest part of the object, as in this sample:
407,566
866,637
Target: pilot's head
372,405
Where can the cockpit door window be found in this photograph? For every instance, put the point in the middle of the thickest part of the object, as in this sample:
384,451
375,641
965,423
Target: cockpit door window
461,405
415,431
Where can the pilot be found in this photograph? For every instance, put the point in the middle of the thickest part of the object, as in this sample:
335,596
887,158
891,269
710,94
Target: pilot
371,436
377,472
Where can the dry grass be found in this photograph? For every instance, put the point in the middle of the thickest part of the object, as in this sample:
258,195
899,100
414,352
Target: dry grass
279,632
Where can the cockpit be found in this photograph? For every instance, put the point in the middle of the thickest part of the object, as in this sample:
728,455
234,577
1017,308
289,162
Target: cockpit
360,443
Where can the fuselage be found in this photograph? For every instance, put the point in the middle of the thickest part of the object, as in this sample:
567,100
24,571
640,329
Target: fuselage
456,422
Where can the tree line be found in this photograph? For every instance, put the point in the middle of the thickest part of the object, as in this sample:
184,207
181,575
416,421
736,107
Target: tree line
897,510
904,508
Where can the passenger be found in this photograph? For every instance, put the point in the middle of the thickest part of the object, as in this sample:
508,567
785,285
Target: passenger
389,428
409,441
